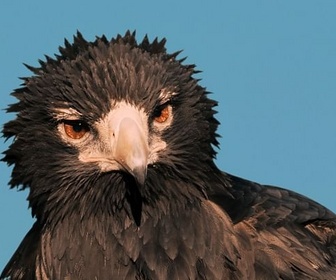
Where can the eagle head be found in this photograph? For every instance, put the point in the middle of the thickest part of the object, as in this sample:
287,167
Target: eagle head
108,122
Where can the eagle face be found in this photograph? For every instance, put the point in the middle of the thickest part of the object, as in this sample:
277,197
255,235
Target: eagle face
105,112
120,140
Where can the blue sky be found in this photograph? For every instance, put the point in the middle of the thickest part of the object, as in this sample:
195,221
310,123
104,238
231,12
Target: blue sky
270,64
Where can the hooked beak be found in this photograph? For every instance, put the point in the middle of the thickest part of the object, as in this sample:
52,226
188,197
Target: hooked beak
131,148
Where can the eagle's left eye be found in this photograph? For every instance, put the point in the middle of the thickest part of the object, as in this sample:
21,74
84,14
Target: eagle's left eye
75,129
162,114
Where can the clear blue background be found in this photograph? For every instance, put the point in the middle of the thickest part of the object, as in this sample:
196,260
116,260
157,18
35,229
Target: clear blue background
270,64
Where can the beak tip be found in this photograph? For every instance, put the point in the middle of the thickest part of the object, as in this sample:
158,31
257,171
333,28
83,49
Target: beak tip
139,173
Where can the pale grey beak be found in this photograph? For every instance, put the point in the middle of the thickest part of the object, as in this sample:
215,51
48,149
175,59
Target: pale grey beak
131,148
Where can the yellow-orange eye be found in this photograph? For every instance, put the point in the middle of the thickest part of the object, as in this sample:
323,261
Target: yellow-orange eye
162,115
75,129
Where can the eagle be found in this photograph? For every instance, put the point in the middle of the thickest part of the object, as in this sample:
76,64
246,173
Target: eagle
115,139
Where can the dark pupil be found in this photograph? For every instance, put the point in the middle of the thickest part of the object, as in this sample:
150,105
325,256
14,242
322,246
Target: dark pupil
157,112
77,127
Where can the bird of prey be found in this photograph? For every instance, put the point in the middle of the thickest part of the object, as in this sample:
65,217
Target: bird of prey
115,140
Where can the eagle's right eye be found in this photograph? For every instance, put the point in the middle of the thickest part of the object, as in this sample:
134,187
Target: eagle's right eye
75,129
